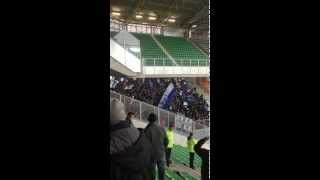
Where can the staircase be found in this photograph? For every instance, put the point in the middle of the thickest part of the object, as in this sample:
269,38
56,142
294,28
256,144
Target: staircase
196,45
164,50
201,44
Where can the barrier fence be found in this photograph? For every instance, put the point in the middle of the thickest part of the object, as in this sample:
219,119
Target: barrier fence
181,62
182,125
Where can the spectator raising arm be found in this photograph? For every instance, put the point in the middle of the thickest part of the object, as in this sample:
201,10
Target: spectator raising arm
197,148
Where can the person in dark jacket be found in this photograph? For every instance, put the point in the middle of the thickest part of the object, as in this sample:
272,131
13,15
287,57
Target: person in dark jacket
129,150
157,136
204,155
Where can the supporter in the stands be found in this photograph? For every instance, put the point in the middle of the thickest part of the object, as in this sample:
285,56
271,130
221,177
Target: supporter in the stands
204,155
158,139
129,150
187,101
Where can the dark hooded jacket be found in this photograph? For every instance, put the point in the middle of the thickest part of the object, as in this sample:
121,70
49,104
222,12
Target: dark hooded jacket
133,162
157,136
204,155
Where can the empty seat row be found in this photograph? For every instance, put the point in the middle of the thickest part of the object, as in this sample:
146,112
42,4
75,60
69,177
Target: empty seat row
183,51
151,52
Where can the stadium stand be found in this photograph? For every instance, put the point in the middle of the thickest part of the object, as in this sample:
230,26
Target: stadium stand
183,51
187,101
151,52
180,157
202,43
166,50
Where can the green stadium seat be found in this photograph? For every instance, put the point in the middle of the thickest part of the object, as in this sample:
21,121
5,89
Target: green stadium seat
151,52
183,52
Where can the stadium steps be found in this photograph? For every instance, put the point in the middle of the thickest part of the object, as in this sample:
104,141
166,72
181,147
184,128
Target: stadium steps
202,44
164,50
181,155
150,51
183,170
180,158
183,51
179,169
198,47
173,175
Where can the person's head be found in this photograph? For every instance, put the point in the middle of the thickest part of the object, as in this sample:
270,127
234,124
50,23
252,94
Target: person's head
117,111
130,115
152,118
191,134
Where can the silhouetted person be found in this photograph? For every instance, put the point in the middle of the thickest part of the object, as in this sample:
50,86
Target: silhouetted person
129,150
204,155
157,136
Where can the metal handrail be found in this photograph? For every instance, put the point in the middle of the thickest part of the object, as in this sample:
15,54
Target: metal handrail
194,123
182,62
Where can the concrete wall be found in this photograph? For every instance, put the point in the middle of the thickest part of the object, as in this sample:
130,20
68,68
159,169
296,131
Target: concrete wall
124,57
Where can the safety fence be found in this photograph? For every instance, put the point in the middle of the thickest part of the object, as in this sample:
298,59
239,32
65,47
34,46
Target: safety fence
182,125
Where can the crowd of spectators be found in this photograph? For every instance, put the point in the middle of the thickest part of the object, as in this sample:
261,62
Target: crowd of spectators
136,153
187,100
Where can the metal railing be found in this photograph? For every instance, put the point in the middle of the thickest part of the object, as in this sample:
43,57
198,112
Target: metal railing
181,62
182,124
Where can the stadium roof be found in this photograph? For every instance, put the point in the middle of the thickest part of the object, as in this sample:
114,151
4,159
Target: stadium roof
173,13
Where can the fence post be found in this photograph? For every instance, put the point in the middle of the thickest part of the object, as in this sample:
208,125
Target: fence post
159,116
168,119
140,111
175,122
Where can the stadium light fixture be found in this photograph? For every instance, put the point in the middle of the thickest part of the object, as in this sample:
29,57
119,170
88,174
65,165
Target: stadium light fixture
116,13
139,16
172,20
152,18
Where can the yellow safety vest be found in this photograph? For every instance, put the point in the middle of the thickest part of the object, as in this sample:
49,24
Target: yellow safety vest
170,138
190,144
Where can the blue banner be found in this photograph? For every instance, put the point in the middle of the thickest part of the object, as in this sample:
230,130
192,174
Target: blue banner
168,96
